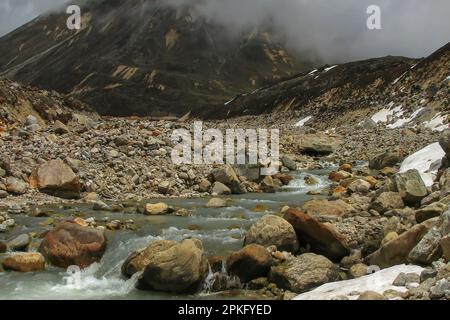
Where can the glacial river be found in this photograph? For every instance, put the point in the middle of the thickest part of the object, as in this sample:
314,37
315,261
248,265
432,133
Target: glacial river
221,230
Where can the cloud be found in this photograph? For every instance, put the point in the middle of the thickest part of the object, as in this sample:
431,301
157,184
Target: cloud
331,30
335,30
14,13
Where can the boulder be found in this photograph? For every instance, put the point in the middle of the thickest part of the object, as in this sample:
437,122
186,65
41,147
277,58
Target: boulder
19,243
444,141
16,186
284,178
267,185
164,186
56,178
252,172
24,262
138,260
338,176
358,270
411,187
325,207
396,252
71,244
155,209
389,158
220,189
428,248
204,185
228,177
181,268
317,144
359,186
431,211
445,247
444,184
387,201
322,238
303,273
251,262
60,128
272,230
216,203
288,162
371,295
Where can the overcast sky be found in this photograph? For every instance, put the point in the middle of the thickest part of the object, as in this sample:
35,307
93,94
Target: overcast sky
331,29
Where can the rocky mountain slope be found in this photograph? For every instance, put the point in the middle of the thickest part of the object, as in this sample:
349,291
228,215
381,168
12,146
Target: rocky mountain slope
143,57
354,90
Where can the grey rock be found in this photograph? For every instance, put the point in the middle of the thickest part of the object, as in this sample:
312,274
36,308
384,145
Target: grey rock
427,250
411,187
272,230
220,189
20,243
303,273
288,162
406,278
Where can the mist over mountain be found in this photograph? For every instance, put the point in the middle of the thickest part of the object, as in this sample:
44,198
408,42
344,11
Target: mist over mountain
144,57
332,31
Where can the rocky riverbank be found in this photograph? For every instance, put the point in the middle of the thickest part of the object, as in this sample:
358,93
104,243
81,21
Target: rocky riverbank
384,205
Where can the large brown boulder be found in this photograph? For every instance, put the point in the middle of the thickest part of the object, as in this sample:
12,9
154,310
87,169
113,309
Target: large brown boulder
396,251
71,244
317,144
138,260
322,238
180,268
251,262
24,262
304,273
272,230
56,178
325,207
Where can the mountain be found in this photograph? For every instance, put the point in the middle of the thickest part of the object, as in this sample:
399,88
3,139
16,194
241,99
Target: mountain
333,93
20,103
143,57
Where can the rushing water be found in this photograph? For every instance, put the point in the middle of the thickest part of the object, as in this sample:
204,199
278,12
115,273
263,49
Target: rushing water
221,230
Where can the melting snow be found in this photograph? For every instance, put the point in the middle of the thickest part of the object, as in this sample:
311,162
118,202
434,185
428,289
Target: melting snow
427,161
378,282
302,122
402,121
437,123
330,68
384,114
312,72
399,78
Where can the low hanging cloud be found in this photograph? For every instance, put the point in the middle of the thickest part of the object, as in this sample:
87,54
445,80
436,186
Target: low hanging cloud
329,30
336,30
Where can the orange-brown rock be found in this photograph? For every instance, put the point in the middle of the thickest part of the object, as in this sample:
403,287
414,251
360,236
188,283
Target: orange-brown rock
322,238
71,244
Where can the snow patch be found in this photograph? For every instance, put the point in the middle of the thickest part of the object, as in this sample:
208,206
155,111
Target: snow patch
378,282
399,78
330,68
386,113
437,123
427,161
312,72
303,121
402,121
